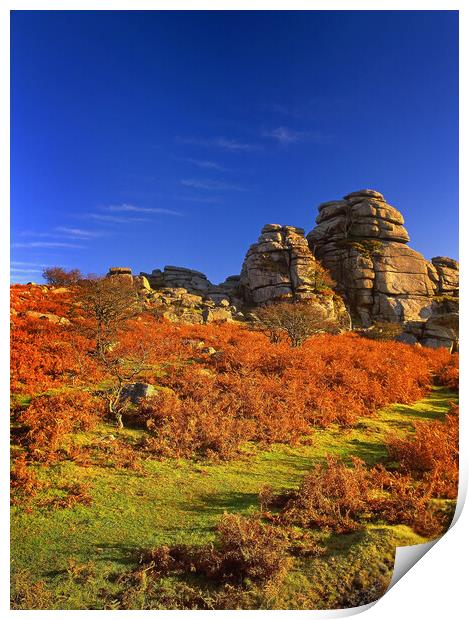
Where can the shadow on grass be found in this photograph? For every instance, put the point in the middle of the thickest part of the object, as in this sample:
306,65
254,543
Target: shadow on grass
369,451
118,553
437,412
218,503
125,555
340,544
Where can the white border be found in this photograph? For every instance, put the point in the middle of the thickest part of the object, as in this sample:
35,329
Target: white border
438,587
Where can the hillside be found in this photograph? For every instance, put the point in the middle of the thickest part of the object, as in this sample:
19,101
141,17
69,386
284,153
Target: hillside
304,466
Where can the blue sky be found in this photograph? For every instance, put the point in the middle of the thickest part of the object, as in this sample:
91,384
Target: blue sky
149,138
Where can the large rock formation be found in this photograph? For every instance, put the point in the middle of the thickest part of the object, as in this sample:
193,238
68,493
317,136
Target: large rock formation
185,295
281,266
362,241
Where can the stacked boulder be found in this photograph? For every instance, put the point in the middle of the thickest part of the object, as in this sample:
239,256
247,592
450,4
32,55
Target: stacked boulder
281,266
179,277
362,241
446,275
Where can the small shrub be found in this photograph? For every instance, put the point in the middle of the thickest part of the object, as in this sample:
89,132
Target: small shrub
448,374
24,482
57,276
342,499
409,502
431,453
297,320
74,493
331,496
246,550
50,418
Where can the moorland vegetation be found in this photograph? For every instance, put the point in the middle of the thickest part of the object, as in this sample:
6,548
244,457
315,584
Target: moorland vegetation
219,396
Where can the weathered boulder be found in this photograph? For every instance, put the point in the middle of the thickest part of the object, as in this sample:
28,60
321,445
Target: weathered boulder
124,274
447,273
134,392
141,283
178,277
119,271
217,315
280,265
362,241
442,330
45,316
61,290
363,214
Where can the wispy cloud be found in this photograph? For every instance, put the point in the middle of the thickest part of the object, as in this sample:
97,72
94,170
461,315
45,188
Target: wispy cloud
16,270
61,232
35,233
46,244
286,136
23,264
227,144
79,233
116,219
211,185
128,208
205,164
201,199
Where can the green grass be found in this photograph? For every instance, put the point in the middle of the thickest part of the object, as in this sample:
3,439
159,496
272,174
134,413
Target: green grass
180,501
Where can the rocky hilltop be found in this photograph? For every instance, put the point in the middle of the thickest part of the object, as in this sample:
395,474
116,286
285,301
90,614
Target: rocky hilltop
363,244
362,241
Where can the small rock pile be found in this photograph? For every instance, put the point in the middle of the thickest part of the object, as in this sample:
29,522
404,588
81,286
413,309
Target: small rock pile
186,295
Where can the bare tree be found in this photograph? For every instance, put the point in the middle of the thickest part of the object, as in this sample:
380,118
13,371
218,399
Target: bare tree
102,311
103,307
123,365
297,320
57,276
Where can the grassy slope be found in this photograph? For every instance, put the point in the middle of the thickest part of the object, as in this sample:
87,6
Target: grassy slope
181,501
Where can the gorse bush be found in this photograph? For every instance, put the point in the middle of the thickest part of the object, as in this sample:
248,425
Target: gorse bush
331,496
448,373
257,391
250,390
24,483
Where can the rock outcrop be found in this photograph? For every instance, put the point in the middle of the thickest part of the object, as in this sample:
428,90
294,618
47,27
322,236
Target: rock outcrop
185,295
362,241
281,266
447,275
